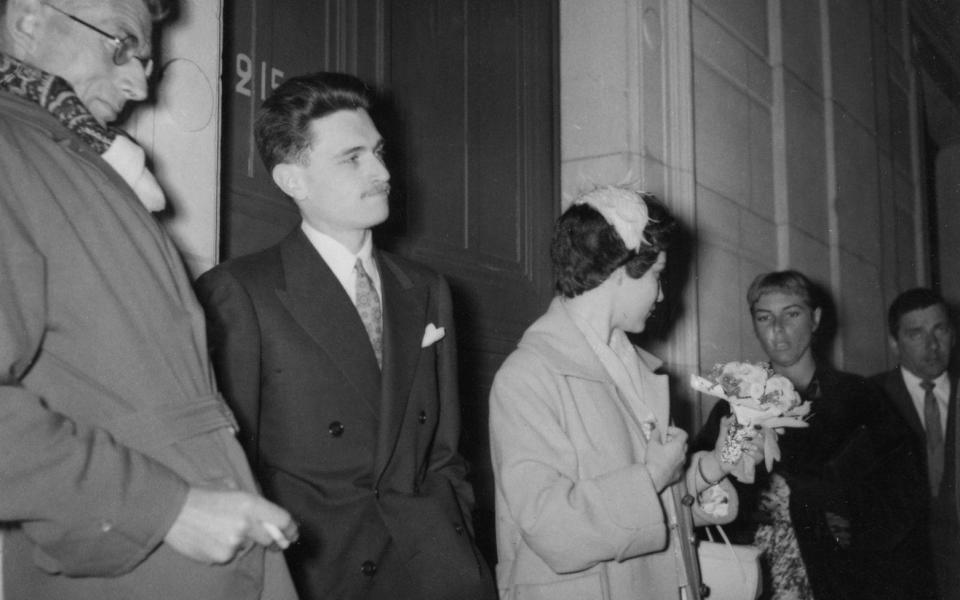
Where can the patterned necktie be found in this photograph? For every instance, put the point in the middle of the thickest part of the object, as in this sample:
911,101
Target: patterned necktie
368,305
931,421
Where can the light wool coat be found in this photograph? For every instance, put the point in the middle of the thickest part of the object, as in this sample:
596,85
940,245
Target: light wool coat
108,409
578,515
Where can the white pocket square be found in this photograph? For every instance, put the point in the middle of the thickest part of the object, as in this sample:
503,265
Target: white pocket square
431,335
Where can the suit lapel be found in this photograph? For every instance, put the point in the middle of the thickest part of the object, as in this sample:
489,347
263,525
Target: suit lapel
951,467
404,313
904,403
316,300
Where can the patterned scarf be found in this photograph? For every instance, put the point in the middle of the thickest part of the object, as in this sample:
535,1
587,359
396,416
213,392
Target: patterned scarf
57,97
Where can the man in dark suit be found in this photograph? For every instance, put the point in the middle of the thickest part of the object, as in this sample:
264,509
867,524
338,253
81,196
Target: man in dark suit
922,336
339,360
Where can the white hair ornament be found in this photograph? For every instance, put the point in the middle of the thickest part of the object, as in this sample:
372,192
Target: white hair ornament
623,208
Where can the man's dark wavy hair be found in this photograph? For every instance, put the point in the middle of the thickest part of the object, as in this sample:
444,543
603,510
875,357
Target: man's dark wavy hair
282,127
586,249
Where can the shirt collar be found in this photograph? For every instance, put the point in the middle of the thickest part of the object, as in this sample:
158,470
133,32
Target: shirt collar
340,260
941,383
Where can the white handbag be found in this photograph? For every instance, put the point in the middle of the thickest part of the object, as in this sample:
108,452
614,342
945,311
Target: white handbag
729,571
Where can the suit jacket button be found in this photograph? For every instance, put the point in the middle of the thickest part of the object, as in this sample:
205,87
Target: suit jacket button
458,528
422,417
336,429
368,568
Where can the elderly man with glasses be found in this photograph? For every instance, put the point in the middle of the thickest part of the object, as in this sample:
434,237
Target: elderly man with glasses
120,473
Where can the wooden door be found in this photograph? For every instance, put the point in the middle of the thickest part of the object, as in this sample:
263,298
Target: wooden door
469,116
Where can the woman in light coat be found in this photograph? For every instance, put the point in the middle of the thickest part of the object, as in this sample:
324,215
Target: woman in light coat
593,483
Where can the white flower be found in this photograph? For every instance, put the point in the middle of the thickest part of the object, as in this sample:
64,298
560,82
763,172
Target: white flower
623,208
780,392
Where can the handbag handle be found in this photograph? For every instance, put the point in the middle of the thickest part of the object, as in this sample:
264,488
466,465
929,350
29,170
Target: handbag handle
726,541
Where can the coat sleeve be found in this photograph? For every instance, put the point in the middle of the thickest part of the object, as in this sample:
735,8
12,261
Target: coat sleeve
572,523
92,506
445,458
233,334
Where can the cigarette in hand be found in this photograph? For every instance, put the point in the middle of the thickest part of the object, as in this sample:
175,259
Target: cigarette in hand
277,535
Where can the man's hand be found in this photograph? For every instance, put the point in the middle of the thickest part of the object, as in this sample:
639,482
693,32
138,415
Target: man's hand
214,525
665,459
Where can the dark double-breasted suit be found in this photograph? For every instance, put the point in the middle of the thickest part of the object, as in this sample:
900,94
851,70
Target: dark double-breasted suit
945,509
367,462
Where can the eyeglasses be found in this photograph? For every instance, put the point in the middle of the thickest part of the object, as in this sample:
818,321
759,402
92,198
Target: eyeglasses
124,49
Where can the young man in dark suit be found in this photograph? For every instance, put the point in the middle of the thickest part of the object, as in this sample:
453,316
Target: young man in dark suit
925,393
339,362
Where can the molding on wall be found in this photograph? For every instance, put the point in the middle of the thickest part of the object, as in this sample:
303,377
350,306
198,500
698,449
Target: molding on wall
915,100
830,149
778,126
681,186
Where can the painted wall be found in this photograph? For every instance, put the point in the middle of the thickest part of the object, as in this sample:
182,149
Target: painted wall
799,149
180,130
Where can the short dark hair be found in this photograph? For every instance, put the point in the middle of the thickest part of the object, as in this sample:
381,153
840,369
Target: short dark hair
282,126
586,249
789,281
911,300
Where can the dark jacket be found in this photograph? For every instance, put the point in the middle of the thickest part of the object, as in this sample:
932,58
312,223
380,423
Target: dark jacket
945,509
854,460
366,462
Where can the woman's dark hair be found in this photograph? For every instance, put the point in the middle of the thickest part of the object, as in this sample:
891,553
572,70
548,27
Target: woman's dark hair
282,127
789,281
586,249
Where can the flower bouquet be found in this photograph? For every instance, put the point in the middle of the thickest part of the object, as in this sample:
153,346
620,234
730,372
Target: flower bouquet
759,398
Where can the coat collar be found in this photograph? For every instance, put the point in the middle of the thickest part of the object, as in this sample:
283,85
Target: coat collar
404,319
900,396
566,351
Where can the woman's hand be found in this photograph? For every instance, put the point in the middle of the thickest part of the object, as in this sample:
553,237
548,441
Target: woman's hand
753,451
665,459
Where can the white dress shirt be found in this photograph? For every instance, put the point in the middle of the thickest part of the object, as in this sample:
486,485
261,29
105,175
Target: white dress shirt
341,261
941,391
